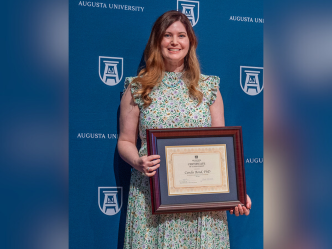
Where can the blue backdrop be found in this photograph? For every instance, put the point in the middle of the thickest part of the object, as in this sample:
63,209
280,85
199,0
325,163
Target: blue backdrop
106,44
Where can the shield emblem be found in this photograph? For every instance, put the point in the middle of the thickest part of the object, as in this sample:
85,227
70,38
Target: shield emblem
190,9
251,80
110,199
110,70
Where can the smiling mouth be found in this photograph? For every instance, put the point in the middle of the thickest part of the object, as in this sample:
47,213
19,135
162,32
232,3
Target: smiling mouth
174,49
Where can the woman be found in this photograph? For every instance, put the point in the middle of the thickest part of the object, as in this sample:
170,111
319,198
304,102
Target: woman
169,93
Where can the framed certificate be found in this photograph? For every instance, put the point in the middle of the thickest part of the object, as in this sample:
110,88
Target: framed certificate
201,169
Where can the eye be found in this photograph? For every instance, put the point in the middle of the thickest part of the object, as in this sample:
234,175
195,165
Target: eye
167,35
182,35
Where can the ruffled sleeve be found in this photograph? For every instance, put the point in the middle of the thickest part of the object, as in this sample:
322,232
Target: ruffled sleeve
133,88
210,88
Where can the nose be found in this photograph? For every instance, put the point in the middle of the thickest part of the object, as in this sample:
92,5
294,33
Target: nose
174,41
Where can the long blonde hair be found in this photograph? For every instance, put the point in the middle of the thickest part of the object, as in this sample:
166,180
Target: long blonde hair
152,74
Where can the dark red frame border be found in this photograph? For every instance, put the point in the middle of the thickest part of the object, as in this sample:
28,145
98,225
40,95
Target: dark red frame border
231,131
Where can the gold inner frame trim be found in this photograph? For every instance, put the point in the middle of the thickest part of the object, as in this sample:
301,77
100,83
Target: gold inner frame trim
170,151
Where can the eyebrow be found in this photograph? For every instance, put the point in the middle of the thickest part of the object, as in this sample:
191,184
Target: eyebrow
178,33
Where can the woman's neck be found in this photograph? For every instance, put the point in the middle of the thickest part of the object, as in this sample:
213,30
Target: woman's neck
174,67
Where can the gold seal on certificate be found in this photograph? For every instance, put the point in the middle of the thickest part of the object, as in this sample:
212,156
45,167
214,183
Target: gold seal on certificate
197,169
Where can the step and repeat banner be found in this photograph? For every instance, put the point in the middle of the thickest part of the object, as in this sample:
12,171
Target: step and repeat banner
106,44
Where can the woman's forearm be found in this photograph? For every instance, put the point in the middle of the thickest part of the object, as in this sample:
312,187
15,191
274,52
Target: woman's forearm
128,152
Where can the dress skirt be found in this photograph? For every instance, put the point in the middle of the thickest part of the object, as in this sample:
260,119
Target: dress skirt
177,230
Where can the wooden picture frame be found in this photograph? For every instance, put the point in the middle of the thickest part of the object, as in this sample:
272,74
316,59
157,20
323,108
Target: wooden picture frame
158,140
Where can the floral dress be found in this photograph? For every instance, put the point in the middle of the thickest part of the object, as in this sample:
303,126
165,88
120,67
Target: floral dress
172,107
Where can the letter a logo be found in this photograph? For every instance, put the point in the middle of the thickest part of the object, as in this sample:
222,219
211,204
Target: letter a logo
251,80
110,199
190,9
110,70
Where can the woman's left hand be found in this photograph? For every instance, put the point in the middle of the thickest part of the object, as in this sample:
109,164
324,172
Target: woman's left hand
240,210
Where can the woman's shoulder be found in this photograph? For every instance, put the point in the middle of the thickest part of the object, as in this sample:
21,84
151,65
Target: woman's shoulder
209,81
133,88
128,81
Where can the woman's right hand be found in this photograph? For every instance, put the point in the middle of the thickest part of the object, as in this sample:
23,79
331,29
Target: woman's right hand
148,164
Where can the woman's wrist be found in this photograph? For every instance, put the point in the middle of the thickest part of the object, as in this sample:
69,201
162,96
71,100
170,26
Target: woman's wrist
136,163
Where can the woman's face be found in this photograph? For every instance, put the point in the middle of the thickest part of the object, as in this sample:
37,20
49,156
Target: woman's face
175,43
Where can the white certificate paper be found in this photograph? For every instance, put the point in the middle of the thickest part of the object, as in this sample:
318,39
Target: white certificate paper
197,169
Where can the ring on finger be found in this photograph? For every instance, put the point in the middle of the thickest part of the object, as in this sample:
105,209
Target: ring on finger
148,168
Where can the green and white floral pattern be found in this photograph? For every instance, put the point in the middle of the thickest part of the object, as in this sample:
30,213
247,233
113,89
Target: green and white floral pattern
171,107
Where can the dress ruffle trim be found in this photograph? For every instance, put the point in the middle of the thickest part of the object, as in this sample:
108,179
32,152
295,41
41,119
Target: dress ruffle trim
134,87
214,86
210,88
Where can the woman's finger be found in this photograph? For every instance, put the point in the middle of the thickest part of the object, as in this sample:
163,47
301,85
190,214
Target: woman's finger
153,168
150,174
150,171
240,210
236,211
246,211
153,157
231,211
152,163
248,202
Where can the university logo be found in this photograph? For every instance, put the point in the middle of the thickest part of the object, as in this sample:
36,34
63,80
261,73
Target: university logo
110,70
110,199
251,80
190,9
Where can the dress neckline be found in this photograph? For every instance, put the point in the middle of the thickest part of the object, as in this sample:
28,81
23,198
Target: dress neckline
172,79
